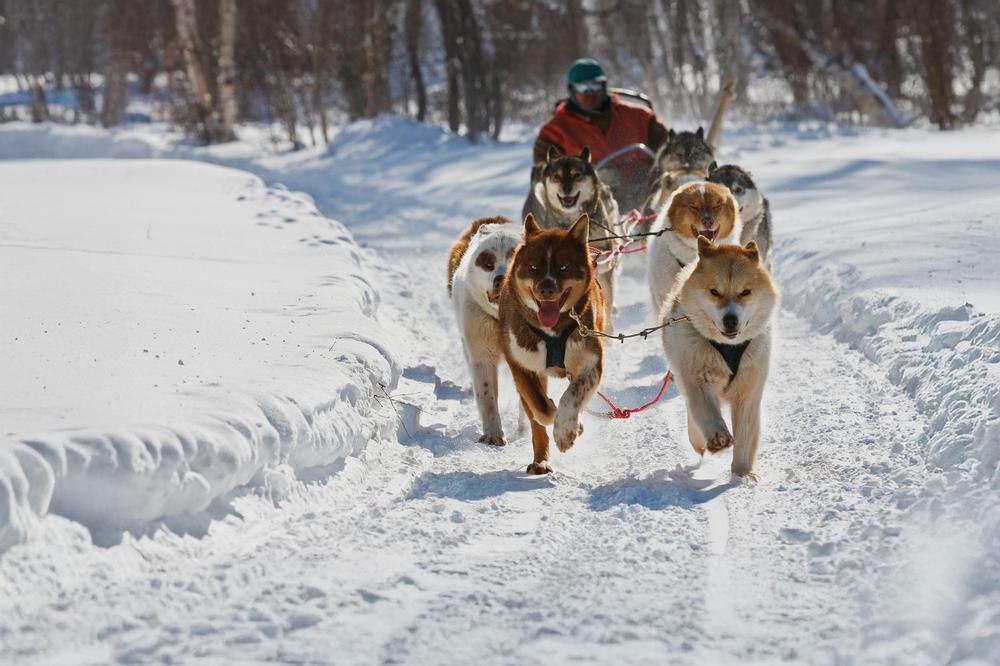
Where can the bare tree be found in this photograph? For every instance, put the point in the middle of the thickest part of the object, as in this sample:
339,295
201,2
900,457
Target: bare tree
191,50
227,70
414,23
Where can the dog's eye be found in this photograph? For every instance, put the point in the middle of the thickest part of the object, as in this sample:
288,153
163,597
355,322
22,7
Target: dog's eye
533,268
489,267
575,176
744,293
714,292
738,190
562,269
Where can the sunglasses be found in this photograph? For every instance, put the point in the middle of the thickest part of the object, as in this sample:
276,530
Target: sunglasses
587,87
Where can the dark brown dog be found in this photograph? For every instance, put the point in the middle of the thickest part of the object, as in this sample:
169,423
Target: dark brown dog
551,274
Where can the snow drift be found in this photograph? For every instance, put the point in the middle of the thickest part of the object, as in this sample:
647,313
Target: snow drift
173,332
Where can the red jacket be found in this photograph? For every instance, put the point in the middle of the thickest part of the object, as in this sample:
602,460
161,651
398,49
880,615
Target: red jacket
571,131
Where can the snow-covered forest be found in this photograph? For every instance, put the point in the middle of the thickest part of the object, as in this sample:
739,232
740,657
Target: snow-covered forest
478,64
237,422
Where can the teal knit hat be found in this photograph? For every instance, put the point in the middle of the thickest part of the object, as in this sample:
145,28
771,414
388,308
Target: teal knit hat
585,69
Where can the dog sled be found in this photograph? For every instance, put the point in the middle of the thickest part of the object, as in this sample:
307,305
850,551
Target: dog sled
630,169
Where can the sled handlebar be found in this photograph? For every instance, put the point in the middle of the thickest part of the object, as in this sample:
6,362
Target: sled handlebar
625,150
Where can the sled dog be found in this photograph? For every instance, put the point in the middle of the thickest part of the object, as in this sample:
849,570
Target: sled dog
566,187
551,273
755,212
476,268
684,158
695,209
723,354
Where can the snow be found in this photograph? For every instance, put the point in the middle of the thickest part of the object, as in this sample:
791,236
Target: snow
160,351
872,537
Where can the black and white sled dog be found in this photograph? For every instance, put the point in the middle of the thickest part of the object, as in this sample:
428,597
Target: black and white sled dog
477,266
683,158
566,187
755,212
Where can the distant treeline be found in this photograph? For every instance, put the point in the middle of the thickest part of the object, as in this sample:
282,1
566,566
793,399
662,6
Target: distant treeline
208,64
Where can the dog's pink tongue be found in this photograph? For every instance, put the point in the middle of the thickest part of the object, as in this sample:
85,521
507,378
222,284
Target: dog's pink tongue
548,313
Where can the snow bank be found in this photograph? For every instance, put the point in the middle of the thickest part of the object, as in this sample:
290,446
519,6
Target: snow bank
895,254
173,332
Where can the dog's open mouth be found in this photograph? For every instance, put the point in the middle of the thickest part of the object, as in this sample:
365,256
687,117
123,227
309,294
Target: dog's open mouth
707,233
729,334
569,202
549,311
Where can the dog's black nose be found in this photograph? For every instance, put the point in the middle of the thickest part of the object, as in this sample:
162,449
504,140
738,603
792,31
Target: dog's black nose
706,218
730,322
497,281
547,289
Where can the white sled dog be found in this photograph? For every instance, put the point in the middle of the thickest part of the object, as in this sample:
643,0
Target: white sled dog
694,209
723,354
477,265
755,211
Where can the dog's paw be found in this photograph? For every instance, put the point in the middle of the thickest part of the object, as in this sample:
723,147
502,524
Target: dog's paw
719,442
540,468
493,439
565,436
744,475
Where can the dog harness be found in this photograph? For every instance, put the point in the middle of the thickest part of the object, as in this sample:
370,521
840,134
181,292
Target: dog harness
732,355
555,346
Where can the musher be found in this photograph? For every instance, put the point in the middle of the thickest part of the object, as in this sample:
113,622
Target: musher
592,117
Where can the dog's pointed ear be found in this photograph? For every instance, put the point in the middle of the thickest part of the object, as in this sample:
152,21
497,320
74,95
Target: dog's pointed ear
752,251
705,246
581,229
714,166
553,153
585,154
670,135
700,133
530,226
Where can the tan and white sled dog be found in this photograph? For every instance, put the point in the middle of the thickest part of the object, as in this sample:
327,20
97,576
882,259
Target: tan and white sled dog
695,209
476,268
723,355
550,275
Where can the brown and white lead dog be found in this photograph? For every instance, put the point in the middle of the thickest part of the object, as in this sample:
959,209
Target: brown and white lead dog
551,274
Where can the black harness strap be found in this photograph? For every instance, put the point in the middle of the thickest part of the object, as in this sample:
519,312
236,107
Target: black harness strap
732,355
555,346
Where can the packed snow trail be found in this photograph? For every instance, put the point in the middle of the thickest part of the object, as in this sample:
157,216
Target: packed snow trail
437,549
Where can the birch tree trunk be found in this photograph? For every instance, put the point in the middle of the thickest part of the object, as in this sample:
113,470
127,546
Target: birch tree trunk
190,43
227,70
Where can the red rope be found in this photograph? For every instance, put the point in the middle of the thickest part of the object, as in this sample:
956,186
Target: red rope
617,413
